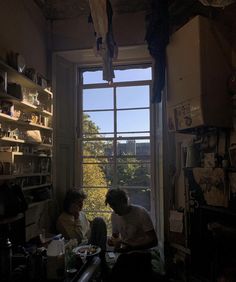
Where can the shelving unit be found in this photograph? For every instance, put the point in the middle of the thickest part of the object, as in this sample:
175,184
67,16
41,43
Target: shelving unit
26,135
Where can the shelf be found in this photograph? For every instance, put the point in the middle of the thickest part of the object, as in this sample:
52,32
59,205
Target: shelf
32,113
7,117
24,104
12,140
27,154
11,219
31,174
27,188
20,78
39,203
5,177
10,176
218,209
23,123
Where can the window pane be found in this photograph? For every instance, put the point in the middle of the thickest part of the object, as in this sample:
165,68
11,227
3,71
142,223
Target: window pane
97,148
139,197
134,174
132,97
95,206
133,74
133,147
133,120
94,76
97,174
99,98
98,122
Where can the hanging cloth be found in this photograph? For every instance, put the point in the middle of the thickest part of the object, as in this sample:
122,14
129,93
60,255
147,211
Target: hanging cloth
101,14
157,37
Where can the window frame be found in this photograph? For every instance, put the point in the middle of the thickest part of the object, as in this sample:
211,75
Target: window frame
80,118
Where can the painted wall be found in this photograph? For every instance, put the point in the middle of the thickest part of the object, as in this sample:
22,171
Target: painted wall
77,33
23,30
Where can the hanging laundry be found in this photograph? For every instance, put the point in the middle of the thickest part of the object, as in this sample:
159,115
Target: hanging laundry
157,37
101,17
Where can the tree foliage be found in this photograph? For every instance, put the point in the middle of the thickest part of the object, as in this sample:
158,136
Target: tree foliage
99,175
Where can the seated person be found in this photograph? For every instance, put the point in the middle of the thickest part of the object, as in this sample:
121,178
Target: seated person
134,236
132,227
73,223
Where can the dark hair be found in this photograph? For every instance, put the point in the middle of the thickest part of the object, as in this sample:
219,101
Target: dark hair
72,196
116,196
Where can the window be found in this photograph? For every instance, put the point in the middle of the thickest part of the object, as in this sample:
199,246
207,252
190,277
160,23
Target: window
115,139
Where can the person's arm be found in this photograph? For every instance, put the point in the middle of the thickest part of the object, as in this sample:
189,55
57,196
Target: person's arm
70,228
114,241
149,241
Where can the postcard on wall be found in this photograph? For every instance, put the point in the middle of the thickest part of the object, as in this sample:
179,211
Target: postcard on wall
176,221
212,183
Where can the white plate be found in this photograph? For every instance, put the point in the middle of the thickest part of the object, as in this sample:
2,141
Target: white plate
92,250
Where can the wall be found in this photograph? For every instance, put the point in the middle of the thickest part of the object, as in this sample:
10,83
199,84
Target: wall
77,33
23,30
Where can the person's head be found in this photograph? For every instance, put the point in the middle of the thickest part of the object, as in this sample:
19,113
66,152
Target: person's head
73,202
118,200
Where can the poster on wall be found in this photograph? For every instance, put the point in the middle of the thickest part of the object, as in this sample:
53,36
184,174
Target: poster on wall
213,186
232,186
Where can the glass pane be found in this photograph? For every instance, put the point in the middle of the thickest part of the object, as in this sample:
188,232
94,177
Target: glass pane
95,99
97,148
97,174
133,120
95,206
133,147
98,122
134,174
93,76
139,197
132,97
133,74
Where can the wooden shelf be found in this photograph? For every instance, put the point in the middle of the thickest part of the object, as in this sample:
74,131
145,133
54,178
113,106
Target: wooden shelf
27,188
219,209
31,174
38,203
12,140
23,123
24,104
5,177
43,109
11,219
26,154
20,78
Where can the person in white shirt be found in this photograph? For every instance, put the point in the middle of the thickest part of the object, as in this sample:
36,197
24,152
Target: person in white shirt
134,237
132,227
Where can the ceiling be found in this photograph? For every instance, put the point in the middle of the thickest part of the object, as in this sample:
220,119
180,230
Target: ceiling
65,9
179,10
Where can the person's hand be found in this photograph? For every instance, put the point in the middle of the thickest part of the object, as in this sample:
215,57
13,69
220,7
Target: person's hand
114,242
124,248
